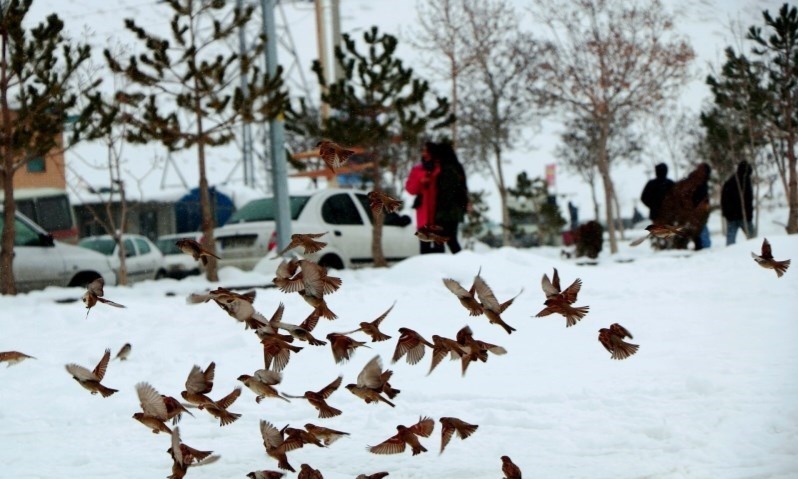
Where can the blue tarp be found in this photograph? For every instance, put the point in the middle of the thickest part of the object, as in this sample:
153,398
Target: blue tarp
188,215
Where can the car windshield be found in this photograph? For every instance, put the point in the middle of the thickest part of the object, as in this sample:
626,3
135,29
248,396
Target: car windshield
168,246
101,245
263,210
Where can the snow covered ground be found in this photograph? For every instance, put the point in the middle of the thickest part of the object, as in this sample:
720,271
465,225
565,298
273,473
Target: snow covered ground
711,393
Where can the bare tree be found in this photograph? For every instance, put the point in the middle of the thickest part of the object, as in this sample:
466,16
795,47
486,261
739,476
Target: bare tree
611,60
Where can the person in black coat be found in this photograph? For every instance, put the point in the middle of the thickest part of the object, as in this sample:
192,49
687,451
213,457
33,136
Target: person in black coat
452,195
737,203
655,191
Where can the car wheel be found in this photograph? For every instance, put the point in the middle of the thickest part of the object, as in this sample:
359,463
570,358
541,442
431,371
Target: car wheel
331,261
160,274
83,278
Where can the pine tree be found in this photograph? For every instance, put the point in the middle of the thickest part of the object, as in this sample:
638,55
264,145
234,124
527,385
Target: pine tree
38,92
378,104
188,89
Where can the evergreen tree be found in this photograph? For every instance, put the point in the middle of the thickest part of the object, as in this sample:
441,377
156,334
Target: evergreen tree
535,206
475,219
38,70
379,105
189,92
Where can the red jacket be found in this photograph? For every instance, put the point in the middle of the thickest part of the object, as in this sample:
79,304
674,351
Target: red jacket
415,185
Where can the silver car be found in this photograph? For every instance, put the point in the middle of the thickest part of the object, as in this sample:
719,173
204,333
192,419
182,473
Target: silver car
143,259
39,261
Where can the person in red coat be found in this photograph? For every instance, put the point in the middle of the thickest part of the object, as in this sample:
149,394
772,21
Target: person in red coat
422,182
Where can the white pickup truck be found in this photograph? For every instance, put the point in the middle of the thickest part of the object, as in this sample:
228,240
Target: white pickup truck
249,236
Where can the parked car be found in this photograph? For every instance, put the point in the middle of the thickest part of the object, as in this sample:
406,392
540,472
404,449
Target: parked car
143,259
40,261
177,263
249,237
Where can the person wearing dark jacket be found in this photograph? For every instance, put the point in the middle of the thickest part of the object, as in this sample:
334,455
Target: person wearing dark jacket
655,191
737,203
452,195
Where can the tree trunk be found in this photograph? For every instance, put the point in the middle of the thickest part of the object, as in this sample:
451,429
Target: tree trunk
609,190
376,227
595,200
506,237
792,222
9,285
619,214
207,222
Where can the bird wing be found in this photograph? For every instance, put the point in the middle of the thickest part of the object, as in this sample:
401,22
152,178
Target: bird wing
312,278
767,252
83,374
315,235
571,291
639,240
228,400
197,382
463,429
456,288
278,314
548,288
423,427
485,294
175,451
415,354
99,371
371,374
507,303
312,246
392,445
96,286
619,330
268,376
446,432
331,388
109,302
604,339
379,319
405,343
271,435
151,401
311,321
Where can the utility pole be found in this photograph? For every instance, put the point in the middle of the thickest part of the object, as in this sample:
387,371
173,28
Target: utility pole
246,127
277,135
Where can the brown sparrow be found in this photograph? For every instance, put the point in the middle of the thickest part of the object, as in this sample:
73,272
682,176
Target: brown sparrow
510,470
431,234
301,332
261,384
444,347
326,435
766,260
317,399
371,382
333,154
276,350
174,409
491,306
302,435
612,340
184,456
561,306
196,250
475,349
237,306
13,357
124,352
373,328
154,407
381,201
265,475
661,231
306,241
450,425
406,436
94,294
90,380
466,297
198,384
307,472
287,278
412,344
343,347
552,288
276,446
218,409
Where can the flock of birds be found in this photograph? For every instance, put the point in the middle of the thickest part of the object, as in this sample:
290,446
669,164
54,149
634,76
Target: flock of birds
278,340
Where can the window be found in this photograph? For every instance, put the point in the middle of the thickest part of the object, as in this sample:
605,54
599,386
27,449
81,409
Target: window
340,210
24,235
263,210
101,245
54,213
144,248
36,165
130,250
388,219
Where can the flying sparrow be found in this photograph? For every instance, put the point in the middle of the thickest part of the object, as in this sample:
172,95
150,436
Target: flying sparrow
510,470
406,436
174,409
333,154
265,475
371,382
612,340
475,349
412,344
154,407
238,306
184,456
561,306
491,306
326,435
196,250
466,297
302,435
373,328
443,347
661,231
381,201
261,384
94,294
13,357
307,472
306,241
218,409
552,288
198,384
343,347
431,234
317,399
276,445
450,425
301,332
90,380
276,351
766,260
287,278
124,352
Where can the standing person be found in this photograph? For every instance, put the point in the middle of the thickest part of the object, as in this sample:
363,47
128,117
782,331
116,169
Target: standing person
655,191
687,205
452,195
423,183
737,203
701,204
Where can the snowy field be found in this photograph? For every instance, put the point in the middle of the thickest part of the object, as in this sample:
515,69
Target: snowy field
710,394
